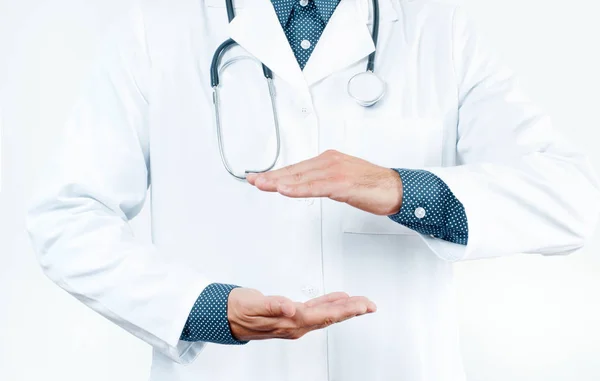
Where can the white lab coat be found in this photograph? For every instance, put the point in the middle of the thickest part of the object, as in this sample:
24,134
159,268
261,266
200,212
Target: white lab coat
146,118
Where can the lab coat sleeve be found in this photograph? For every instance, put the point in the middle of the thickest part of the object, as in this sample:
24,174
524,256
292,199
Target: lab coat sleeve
524,189
97,181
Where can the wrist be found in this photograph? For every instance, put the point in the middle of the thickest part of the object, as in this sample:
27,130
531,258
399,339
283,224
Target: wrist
395,188
208,320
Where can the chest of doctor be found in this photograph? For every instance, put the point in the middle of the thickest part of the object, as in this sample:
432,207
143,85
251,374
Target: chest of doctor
237,234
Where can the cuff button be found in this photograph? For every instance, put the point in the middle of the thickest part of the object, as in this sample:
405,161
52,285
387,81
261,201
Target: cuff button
420,213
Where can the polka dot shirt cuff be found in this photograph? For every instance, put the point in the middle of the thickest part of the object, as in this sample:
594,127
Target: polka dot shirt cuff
208,320
429,207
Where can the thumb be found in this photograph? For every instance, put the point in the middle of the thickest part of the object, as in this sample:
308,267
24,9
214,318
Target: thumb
279,306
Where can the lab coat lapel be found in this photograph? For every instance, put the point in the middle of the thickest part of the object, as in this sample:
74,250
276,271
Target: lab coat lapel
258,30
347,37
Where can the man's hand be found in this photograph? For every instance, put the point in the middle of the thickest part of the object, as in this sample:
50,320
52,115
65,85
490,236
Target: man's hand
253,316
340,177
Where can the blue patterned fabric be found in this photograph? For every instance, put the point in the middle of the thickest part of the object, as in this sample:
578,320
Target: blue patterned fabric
429,207
208,320
303,22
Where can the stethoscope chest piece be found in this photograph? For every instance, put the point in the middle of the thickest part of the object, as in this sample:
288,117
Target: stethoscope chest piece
366,88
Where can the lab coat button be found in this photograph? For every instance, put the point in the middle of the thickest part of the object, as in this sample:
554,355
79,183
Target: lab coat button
310,291
305,44
420,213
304,3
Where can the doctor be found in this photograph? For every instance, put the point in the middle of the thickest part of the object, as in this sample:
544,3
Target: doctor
365,210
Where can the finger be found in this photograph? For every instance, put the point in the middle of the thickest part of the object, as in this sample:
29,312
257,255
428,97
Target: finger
260,180
272,184
329,298
251,177
327,314
265,185
371,306
303,177
319,188
294,169
277,306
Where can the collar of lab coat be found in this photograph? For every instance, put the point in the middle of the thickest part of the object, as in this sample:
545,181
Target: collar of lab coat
345,40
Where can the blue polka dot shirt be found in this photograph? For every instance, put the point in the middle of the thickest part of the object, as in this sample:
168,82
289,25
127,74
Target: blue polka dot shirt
303,22
428,205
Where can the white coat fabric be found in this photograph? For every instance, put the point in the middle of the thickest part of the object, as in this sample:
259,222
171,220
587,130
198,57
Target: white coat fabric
147,118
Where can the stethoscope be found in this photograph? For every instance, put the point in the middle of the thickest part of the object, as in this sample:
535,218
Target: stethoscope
365,88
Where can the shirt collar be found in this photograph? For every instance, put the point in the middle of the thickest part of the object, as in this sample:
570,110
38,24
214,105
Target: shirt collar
283,8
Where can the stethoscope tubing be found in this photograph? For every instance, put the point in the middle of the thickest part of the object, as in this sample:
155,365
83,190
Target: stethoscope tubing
268,74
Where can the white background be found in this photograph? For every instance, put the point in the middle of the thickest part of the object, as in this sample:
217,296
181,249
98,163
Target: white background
522,318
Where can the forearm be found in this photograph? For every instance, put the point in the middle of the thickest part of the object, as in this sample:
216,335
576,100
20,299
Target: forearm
542,203
88,250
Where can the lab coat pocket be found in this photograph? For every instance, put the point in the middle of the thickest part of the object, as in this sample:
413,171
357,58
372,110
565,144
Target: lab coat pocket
392,142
